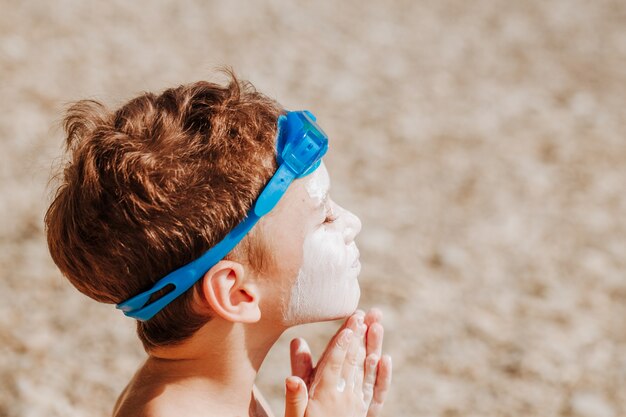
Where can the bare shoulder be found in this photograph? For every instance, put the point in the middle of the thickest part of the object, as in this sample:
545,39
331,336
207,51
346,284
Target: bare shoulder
262,407
159,401
138,400
147,408
152,398
126,407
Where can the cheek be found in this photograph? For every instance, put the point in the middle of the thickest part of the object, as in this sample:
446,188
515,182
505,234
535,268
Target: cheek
326,286
324,255
285,244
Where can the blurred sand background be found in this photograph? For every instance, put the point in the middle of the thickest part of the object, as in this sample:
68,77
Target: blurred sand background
482,144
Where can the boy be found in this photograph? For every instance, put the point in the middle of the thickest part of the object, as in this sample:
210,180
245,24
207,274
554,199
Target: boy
204,214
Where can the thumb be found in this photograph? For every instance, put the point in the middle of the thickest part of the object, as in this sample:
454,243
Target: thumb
296,397
301,360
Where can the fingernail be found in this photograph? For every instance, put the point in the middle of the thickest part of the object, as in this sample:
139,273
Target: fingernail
359,325
345,338
301,346
292,384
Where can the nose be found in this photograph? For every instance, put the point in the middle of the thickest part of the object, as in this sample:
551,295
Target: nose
352,227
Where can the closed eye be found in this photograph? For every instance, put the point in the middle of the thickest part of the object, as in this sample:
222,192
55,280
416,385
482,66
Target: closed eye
330,214
330,218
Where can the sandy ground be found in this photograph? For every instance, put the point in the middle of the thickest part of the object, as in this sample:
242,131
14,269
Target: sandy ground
482,143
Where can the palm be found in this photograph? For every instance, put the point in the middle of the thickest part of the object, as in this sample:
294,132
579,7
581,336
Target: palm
373,389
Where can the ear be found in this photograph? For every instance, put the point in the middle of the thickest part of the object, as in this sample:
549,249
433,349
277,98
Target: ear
229,295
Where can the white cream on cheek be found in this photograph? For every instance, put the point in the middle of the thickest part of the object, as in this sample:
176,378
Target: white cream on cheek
326,286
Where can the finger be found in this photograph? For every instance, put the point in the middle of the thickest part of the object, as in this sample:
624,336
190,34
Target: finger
360,359
352,372
301,360
375,334
374,338
350,323
371,369
296,397
374,315
329,372
383,382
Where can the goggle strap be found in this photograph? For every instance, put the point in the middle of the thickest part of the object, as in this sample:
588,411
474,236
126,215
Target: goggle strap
184,277
274,190
295,160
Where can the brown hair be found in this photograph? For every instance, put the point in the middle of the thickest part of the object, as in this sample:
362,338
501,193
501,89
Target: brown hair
153,185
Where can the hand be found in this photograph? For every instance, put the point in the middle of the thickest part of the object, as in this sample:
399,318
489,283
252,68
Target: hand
365,376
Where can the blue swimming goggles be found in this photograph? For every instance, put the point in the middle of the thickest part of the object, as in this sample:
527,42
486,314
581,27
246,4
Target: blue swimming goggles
300,145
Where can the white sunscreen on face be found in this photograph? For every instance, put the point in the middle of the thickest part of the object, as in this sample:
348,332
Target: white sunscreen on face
326,286
318,185
323,289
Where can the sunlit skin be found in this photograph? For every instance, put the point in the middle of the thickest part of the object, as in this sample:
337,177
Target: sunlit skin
213,372
326,276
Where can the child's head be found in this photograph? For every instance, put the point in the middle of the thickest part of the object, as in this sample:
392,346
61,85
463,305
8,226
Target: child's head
152,186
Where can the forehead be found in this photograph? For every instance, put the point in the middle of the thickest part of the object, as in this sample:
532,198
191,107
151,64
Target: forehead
297,213
310,190
317,184
304,195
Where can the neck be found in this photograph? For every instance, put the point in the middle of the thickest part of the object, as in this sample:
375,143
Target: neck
217,365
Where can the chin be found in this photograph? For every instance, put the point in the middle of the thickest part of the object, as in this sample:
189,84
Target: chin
336,305
349,309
